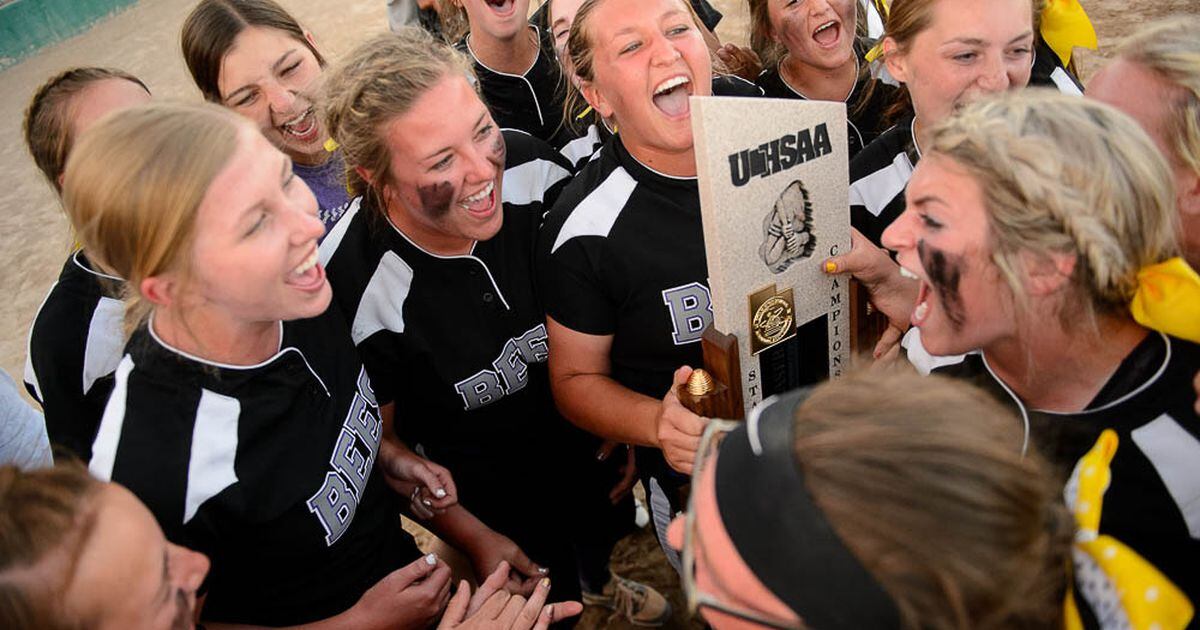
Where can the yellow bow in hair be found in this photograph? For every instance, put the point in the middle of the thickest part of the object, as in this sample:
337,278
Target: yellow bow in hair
331,145
1065,25
1168,299
881,8
1121,587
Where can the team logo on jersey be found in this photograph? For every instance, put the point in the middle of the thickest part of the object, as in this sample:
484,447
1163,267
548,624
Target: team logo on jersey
352,461
509,372
691,312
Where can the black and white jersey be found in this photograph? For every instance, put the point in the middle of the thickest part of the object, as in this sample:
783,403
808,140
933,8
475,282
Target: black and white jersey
1048,70
865,104
457,342
531,102
622,254
1153,501
75,344
268,469
879,175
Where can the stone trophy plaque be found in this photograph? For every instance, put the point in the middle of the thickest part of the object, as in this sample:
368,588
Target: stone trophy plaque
773,179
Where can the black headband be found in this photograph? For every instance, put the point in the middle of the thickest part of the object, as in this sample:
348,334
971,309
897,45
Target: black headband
783,536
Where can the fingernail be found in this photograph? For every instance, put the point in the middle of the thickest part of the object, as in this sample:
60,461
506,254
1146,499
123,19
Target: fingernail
431,559
543,570
427,502
440,493
830,266
549,612
545,582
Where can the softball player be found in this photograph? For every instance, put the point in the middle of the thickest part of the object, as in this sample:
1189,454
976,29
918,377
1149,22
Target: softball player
252,439
76,337
811,51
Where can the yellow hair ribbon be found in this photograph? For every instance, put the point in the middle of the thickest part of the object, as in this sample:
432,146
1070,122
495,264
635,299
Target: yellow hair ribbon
1065,25
1168,299
331,145
1144,597
877,50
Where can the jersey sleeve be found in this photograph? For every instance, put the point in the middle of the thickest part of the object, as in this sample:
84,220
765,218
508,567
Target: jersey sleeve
54,376
570,280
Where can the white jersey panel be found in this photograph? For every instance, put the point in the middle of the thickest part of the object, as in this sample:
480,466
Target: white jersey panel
104,450
597,213
382,304
214,449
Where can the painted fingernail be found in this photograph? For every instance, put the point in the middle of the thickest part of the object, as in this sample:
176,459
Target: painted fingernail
543,570
549,612
431,559
545,582
427,502
830,266
440,493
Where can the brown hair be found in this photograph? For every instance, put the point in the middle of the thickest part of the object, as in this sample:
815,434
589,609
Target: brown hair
135,181
48,131
454,20
905,20
46,517
1061,174
211,28
376,82
924,480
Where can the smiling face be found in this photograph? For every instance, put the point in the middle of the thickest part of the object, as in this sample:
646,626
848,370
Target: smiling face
498,19
942,239
254,251
127,575
269,77
969,49
648,58
816,33
444,188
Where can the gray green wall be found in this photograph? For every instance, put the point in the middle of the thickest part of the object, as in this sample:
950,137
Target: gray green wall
28,25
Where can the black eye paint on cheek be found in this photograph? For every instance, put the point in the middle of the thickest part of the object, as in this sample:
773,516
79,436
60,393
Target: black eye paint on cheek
499,151
945,271
436,198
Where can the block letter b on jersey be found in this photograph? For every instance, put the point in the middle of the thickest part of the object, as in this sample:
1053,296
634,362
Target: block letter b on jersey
691,311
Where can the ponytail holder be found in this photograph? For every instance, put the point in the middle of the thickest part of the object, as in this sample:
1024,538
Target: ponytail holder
1168,299
1065,25
1121,588
331,145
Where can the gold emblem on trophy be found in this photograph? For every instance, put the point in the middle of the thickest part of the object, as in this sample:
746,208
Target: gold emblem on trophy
772,318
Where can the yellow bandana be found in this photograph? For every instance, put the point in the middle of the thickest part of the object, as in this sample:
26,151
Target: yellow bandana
1122,588
1065,25
1168,299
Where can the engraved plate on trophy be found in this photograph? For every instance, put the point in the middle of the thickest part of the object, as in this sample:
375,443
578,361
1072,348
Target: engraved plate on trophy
773,178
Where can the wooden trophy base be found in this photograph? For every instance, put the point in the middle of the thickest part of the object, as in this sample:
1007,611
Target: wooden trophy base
716,390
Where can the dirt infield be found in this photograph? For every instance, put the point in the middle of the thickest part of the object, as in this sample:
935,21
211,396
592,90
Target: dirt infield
34,239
